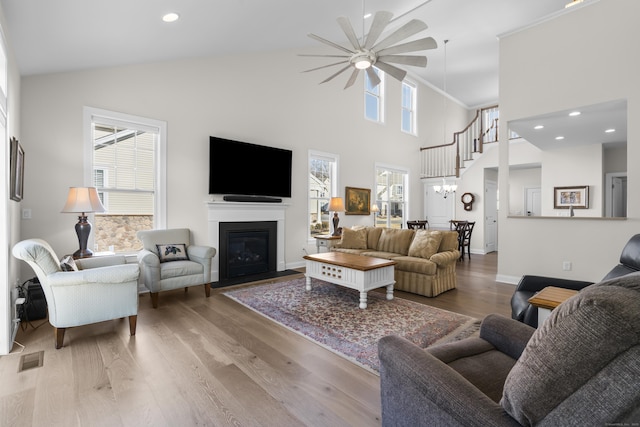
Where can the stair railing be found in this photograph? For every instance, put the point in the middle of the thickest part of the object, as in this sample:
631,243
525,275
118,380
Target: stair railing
447,159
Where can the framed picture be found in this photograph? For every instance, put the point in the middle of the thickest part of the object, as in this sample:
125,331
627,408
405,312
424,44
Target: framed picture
358,201
565,197
17,170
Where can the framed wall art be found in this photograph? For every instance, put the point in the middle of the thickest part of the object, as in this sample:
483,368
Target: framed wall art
17,170
357,200
565,197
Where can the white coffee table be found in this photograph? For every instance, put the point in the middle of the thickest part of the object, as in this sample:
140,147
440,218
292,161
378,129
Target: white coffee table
362,273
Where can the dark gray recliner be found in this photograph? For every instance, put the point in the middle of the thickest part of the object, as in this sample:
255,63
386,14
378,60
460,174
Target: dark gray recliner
581,367
528,286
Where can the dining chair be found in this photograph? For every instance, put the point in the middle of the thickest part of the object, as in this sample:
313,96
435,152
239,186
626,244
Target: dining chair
417,225
465,238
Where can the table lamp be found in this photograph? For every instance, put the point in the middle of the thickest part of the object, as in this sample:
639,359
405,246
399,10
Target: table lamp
336,205
83,200
375,209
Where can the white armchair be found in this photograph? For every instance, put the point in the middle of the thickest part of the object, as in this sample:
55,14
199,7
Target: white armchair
168,261
101,289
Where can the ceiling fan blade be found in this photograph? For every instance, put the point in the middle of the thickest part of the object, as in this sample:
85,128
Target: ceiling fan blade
373,77
394,72
330,43
353,77
334,75
380,22
407,30
414,46
416,61
324,66
346,26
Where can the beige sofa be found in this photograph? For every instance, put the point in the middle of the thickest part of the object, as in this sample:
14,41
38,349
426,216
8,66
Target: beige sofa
426,259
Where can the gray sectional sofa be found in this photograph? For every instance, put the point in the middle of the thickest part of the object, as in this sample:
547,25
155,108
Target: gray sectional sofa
426,259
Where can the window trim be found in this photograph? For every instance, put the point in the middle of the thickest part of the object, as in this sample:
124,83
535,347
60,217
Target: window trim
91,114
334,192
405,185
379,96
412,111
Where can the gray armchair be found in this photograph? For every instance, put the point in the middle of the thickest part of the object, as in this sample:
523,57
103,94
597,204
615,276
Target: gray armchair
100,289
580,367
168,261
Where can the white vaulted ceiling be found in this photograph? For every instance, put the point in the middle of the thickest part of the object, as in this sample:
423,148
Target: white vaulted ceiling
62,35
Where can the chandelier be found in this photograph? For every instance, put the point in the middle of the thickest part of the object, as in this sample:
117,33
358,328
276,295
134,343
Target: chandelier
445,189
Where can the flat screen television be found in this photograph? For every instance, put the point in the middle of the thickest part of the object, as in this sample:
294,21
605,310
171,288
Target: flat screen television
243,169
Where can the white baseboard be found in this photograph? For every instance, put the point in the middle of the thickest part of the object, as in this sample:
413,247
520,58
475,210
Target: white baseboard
512,280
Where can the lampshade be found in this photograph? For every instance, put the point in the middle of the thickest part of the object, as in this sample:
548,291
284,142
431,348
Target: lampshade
336,204
375,208
83,199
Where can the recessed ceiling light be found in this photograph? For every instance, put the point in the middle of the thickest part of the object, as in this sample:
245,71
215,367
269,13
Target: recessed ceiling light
558,138
574,113
538,127
610,130
171,17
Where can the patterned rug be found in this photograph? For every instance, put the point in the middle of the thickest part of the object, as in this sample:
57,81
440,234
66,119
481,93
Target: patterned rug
329,315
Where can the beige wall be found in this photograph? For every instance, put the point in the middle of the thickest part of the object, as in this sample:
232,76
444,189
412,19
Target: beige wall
271,103
583,57
9,210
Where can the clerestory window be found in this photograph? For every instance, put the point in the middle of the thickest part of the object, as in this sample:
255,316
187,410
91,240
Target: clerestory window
373,98
408,120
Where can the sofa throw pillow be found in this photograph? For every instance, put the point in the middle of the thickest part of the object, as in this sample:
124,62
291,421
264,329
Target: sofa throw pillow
172,252
68,264
395,240
425,243
354,239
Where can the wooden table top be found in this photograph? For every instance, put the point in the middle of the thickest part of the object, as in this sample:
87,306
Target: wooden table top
551,297
357,262
327,237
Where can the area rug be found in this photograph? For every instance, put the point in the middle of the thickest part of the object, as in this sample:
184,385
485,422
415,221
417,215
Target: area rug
329,316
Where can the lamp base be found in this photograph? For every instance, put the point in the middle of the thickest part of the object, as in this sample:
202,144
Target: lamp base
82,253
83,229
336,221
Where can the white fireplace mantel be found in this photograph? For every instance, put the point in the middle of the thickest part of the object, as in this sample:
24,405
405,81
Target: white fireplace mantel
222,211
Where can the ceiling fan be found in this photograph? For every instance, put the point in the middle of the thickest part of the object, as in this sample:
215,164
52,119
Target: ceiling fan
381,54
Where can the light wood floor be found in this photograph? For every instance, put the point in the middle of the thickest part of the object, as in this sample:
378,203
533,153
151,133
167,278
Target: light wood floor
207,362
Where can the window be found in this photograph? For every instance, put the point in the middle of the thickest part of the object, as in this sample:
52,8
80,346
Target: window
408,122
323,184
373,98
391,196
126,162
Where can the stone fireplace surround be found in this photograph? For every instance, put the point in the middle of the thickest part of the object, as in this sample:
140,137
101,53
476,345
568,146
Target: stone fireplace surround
223,211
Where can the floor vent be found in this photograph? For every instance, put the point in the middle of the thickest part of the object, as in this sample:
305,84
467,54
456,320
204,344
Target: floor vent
30,361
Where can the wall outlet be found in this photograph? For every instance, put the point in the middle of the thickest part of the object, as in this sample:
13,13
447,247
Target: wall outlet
566,265
26,213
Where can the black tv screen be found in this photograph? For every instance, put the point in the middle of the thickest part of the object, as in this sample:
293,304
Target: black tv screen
241,168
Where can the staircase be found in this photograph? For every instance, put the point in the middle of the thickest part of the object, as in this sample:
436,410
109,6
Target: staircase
448,159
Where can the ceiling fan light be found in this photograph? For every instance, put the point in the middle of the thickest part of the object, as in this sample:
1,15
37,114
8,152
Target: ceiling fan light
362,64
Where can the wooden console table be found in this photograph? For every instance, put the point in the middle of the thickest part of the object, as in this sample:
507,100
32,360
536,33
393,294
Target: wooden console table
548,299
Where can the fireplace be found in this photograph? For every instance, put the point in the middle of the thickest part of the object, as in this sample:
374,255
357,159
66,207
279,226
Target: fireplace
247,248
220,212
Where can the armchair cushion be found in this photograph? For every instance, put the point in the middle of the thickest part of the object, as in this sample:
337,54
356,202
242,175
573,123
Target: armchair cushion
172,252
584,356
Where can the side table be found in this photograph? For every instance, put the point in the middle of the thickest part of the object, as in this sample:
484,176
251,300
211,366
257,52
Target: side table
548,299
326,241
